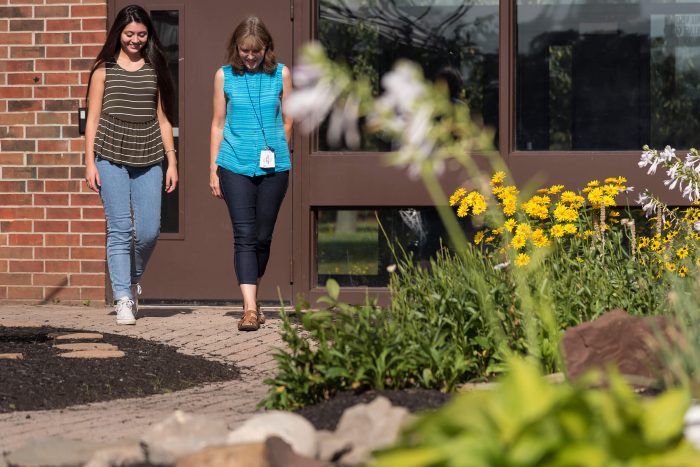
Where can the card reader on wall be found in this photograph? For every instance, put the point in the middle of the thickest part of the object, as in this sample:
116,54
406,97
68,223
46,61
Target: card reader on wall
82,118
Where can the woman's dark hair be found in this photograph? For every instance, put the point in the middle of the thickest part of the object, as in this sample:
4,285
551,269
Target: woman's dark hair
152,53
252,31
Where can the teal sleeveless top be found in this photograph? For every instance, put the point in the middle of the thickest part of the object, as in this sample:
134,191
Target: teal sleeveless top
253,122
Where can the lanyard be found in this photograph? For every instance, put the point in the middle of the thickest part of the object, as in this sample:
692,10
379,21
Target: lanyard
259,119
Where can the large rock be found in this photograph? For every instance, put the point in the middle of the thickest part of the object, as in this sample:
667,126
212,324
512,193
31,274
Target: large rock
238,455
281,454
122,452
617,339
54,451
362,429
181,434
292,428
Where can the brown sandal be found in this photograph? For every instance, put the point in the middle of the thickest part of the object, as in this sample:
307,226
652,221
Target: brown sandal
261,316
249,322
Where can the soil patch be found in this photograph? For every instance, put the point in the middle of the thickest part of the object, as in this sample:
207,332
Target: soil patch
326,415
42,380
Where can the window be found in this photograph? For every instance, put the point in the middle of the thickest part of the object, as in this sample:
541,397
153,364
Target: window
454,40
607,75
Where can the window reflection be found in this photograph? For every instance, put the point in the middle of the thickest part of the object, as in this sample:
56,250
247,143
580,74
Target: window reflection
462,36
611,75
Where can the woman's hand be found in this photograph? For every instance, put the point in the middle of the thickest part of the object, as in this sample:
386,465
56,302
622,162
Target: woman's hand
171,178
214,183
92,177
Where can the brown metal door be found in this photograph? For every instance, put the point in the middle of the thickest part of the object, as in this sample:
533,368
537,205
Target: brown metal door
194,257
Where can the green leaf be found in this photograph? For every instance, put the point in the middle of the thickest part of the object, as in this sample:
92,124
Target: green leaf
333,289
662,421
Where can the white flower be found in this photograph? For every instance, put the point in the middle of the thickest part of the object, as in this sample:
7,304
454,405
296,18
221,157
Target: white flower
668,154
696,226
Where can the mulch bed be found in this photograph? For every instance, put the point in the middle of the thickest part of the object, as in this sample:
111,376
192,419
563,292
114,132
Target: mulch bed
43,380
326,415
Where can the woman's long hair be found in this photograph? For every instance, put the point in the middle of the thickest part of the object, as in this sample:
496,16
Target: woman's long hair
252,31
152,53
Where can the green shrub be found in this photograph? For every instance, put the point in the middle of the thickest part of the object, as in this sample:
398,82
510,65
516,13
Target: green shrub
527,421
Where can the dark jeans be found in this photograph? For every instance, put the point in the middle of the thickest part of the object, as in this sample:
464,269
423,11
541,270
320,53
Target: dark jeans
253,204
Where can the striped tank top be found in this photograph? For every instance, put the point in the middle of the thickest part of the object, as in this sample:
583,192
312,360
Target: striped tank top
253,121
129,132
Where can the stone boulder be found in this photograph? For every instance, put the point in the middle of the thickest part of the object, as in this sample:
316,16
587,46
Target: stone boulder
294,429
617,339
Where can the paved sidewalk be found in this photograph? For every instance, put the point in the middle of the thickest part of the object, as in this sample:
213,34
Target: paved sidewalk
206,331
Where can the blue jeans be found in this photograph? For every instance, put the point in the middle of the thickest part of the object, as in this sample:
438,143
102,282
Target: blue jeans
253,204
130,240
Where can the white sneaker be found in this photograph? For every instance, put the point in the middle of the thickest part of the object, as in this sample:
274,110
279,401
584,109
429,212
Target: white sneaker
124,307
135,292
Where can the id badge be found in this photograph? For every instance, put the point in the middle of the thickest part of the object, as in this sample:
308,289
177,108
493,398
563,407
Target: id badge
267,159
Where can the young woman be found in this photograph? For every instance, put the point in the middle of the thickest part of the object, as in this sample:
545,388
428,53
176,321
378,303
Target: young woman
127,134
249,152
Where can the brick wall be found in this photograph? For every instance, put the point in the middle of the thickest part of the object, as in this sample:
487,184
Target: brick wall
51,226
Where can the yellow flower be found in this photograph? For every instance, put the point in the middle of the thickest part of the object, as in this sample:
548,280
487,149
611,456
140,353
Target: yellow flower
457,195
477,202
539,238
670,267
682,252
498,178
557,230
588,233
593,183
479,237
655,245
570,229
579,259
554,189
518,242
643,242
523,230
510,224
489,239
614,214
463,209
537,207
522,260
563,213
509,206
683,271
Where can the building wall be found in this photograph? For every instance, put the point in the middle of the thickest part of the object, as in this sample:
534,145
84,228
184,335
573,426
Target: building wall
52,242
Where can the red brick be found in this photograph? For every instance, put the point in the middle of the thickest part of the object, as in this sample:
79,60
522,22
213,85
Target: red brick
21,213
15,199
63,52
11,158
61,105
17,293
50,226
16,252
90,51
77,145
53,199
62,266
15,279
52,38
87,253
87,226
12,66
53,172
17,145
3,293
22,78
77,172
25,105
87,11
45,132
56,280
62,78
92,294
81,64
96,267
4,239
63,213
15,37
94,280
63,25
93,37
51,253
27,25
11,132
62,240
16,12
27,52
26,266
94,24
4,25
62,294
88,199
70,131
16,226
50,64
93,240
62,185
21,173
15,118
51,11
26,240
93,213
57,145
35,186
45,118
3,265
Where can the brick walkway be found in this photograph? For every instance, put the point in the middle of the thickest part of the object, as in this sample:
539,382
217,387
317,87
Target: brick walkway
206,331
